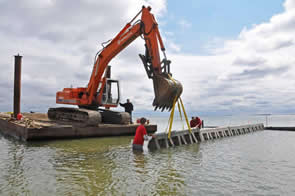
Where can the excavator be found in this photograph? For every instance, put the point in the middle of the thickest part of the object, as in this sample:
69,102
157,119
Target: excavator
102,91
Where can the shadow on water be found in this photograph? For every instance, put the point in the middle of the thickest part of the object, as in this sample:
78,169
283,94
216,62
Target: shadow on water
87,166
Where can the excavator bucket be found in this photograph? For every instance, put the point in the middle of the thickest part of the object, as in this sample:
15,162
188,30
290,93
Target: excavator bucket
166,91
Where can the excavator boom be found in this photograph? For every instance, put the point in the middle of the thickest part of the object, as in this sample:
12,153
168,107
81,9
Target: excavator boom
166,89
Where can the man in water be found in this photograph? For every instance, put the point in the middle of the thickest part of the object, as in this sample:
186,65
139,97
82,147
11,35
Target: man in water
198,122
195,122
140,136
128,108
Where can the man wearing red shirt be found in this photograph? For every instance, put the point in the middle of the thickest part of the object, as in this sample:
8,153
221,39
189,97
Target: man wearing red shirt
198,122
193,122
140,136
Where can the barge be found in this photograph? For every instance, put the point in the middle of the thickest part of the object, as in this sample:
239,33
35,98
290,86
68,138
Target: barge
37,126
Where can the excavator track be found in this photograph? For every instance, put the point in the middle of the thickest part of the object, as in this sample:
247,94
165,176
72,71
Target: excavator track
88,117
114,117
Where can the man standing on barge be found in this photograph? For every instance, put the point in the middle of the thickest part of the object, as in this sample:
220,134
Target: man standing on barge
128,108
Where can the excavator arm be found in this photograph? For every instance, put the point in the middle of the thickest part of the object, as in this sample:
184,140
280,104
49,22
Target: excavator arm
121,41
166,90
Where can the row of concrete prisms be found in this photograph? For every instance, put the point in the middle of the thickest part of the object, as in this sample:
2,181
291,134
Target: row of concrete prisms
184,137
215,133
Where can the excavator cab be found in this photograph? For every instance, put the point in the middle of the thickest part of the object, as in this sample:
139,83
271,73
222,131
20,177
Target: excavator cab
111,93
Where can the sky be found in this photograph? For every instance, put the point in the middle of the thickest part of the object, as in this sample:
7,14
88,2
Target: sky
198,22
232,57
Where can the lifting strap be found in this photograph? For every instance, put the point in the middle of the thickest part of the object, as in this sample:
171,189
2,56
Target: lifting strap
186,119
171,118
170,121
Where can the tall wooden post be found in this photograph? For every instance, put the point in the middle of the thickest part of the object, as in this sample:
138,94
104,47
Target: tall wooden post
17,84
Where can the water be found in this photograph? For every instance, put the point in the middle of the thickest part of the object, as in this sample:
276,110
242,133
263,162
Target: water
260,163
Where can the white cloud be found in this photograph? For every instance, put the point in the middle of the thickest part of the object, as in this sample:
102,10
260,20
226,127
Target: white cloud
258,64
169,33
184,24
59,40
252,73
174,47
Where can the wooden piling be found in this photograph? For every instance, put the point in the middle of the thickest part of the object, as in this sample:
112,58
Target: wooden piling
17,85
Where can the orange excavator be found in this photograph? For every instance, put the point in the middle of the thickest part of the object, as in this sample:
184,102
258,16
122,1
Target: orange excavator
102,91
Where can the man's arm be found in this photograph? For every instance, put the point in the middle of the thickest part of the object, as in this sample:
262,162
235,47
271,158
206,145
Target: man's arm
199,123
122,104
145,136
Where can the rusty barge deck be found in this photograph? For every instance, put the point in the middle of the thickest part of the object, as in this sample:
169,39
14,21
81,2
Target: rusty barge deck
37,126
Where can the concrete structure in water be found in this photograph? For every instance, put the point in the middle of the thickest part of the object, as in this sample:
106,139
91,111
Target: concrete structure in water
37,126
184,137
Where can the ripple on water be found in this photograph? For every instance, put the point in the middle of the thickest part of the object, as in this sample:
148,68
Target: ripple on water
254,164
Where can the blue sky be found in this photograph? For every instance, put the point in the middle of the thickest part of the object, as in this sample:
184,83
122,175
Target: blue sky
214,19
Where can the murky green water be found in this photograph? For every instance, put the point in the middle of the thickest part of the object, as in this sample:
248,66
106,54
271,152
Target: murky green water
261,163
